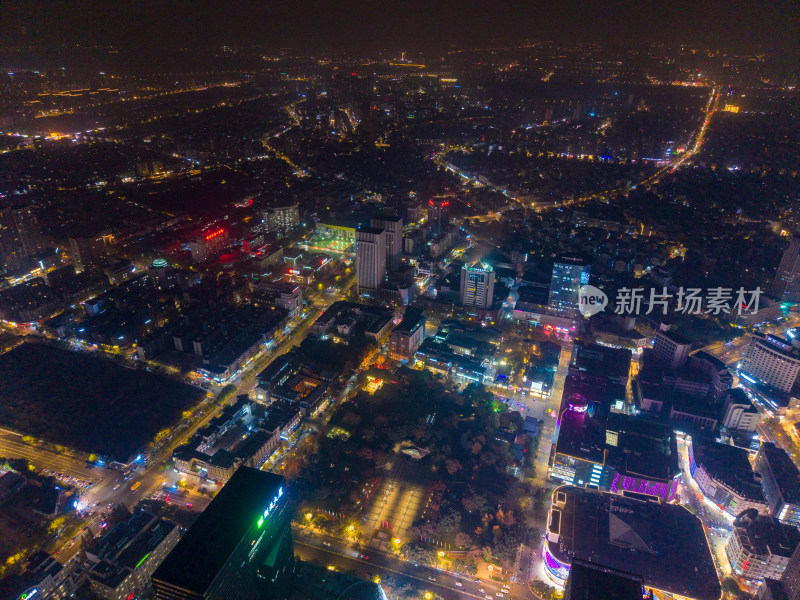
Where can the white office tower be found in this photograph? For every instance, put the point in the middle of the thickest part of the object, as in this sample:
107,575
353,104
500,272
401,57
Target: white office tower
393,226
370,260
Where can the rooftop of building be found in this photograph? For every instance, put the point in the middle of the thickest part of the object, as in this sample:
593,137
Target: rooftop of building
729,465
674,337
370,230
764,536
585,579
412,320
664,544
643,448
601,361
713,360
388,218
582,420
198,557
777,344
786,473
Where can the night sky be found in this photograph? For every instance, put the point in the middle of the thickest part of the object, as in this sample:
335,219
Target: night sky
410,25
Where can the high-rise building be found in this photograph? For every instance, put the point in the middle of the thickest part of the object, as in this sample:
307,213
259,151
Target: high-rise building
791,576
20,236
393,226
209,244
772,360
281,219
477,286
438,213
786,285
671,349
760,546
120,563
370,260
239,548
87,251
738,412
780,480
569,274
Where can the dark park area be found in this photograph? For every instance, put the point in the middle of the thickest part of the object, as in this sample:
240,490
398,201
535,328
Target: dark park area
85,402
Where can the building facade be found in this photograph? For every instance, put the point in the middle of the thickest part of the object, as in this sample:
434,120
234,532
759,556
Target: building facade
393,226
760,546
209,244
477,286
20,236
671,349
724,475
407,337
772,360
370,260
569,274
780,480
281,219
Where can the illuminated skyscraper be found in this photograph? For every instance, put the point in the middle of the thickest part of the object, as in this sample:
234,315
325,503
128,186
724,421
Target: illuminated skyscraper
240,547
786,285
477,286
569,274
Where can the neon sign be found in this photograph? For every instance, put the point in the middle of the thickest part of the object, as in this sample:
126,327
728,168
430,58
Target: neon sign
213,234
643,486
270,508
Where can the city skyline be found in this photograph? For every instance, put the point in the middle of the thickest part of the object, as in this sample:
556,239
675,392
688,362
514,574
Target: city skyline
407,301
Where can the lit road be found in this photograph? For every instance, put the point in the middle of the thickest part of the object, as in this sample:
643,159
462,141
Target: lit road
345,557
440,159
12,446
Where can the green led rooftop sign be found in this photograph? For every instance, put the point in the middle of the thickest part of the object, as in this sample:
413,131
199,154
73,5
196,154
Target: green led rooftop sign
144,558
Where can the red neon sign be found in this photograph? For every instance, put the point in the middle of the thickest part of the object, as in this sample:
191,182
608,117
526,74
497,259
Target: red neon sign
213,234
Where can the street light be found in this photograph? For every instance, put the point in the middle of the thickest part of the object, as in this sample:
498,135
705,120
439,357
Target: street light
428,596
396,541
308,516
441,554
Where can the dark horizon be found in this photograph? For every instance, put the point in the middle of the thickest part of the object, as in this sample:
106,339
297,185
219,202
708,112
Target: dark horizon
413,26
